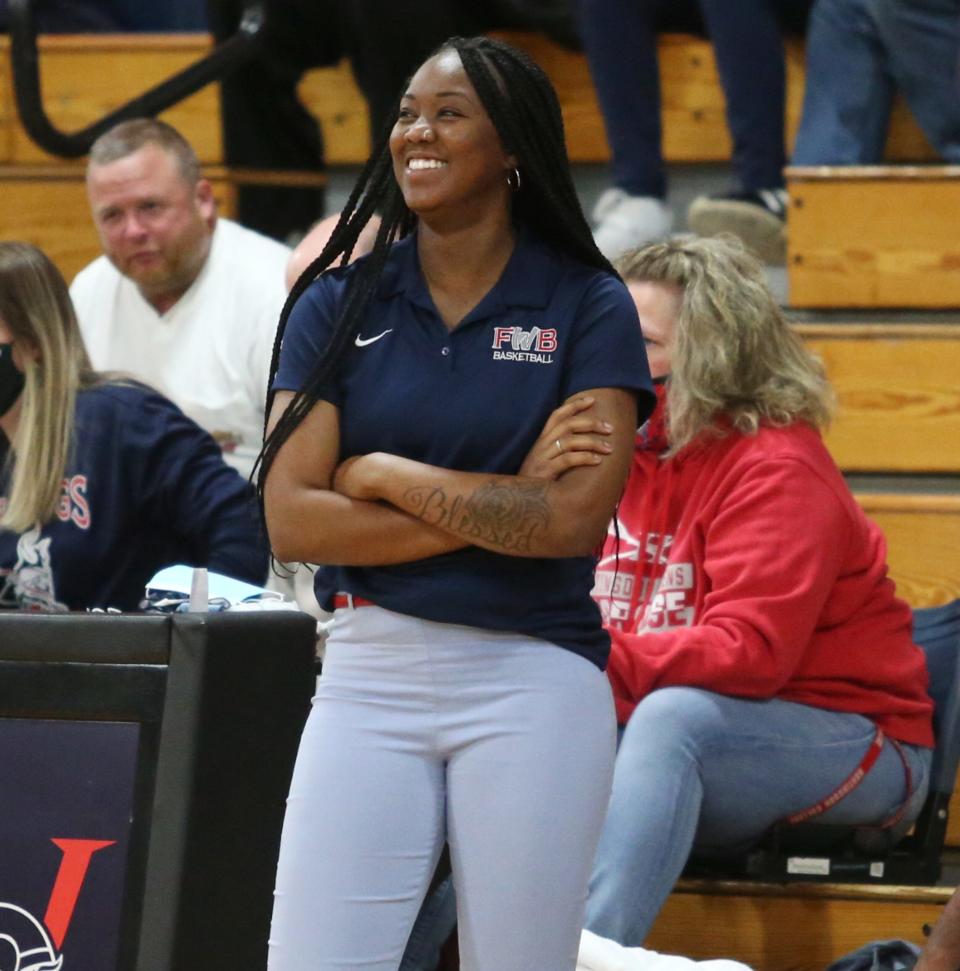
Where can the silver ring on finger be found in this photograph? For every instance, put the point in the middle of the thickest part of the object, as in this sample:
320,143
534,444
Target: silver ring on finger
559,446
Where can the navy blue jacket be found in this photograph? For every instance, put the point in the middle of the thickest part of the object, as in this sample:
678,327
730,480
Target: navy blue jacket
145,487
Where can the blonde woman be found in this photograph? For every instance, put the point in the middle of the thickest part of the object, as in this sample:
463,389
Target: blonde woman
759,655
102,481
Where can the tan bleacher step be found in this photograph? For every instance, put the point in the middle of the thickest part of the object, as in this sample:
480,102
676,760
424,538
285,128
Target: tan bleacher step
874,236
85,76
923,543
48,207
898,389
789,927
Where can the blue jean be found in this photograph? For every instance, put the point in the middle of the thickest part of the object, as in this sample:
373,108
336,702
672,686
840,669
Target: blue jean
699,769
422,732
620,39
434,924
859,54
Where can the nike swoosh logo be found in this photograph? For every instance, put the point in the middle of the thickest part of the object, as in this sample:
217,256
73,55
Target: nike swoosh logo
361,342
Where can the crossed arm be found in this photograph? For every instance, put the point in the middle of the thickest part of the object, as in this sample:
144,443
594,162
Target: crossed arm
382,509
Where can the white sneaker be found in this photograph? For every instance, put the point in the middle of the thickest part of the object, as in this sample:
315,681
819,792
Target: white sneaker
601,954
625,222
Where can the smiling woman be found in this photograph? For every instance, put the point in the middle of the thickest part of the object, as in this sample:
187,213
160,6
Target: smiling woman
407,402
447,156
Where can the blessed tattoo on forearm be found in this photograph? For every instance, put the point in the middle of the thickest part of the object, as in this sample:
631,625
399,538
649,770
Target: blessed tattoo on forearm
506,515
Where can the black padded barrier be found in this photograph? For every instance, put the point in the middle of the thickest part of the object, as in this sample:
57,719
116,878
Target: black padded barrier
208,709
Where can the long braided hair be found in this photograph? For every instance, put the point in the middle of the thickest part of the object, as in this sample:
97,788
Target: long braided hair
524,109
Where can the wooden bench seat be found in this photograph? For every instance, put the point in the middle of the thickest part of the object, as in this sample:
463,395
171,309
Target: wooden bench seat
84,76
874,236
898,391
792,927
923,543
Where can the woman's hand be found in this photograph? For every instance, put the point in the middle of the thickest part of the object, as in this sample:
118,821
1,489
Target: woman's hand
357,477
571,438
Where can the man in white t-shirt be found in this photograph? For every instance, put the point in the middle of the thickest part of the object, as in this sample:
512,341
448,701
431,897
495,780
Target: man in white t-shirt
181,300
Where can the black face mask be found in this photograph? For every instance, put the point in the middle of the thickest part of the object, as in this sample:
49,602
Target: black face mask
12,379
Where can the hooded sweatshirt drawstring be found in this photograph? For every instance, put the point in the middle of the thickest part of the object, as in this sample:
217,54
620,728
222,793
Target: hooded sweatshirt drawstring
655,506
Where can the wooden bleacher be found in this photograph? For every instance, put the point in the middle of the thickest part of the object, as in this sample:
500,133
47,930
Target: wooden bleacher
923,540
792,927
85,76
897,384
898,393
874,236
47,205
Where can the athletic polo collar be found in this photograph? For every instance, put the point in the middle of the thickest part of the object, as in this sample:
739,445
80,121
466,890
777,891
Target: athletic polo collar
528,280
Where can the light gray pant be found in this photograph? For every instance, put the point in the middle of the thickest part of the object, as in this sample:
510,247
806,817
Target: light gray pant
501,744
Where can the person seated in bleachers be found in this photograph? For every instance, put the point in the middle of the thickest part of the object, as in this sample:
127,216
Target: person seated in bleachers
102,480
760,658
620,39
181,299
860,54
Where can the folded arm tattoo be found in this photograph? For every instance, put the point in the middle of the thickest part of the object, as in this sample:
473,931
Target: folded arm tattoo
509,516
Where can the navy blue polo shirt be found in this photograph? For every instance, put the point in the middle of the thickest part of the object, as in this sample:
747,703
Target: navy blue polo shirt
473,399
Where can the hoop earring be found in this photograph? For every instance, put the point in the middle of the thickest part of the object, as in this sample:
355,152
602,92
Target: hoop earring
513,179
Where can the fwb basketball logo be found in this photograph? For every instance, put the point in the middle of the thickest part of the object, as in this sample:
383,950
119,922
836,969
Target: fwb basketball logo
516,344
27,944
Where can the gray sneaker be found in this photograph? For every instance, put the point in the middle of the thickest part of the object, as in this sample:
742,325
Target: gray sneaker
757,218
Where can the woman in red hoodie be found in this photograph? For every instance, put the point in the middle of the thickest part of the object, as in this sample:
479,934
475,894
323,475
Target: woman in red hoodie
760,658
